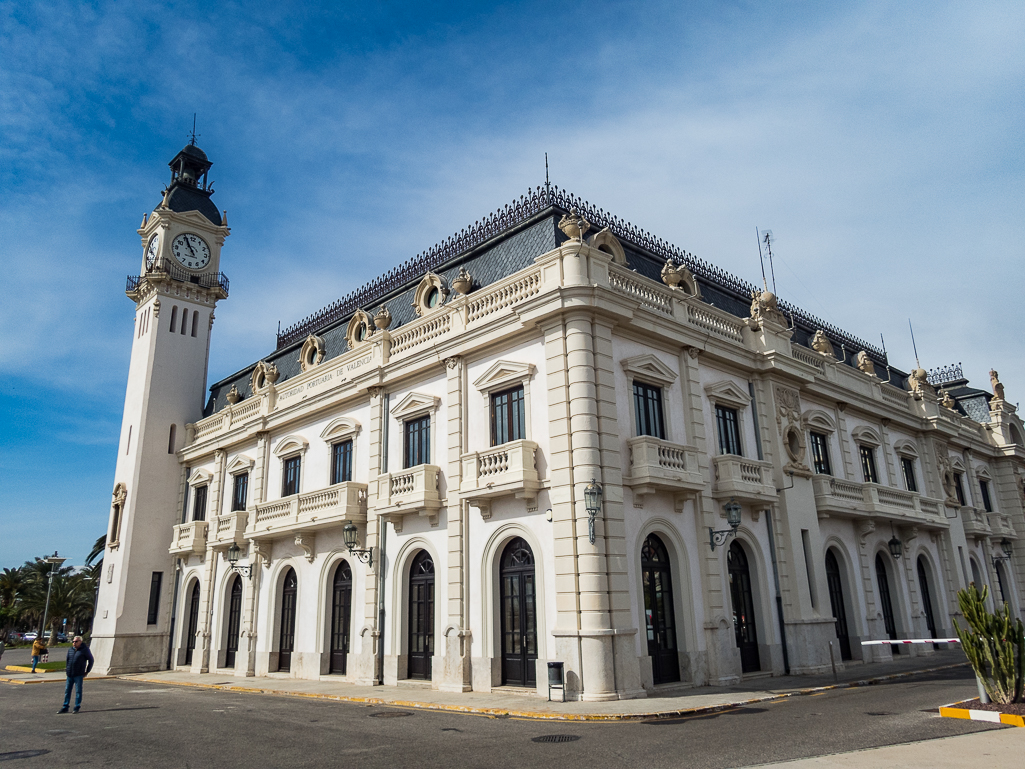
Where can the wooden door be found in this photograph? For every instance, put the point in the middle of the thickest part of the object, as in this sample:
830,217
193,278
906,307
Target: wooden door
884,601
659,617
190,639
743,609
234,621
421,616
286,638
519,620
837,604
341,615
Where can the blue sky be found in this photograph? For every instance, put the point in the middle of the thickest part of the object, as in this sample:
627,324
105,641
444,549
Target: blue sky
880,141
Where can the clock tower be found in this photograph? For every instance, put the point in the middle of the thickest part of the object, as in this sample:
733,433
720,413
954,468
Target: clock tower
175,295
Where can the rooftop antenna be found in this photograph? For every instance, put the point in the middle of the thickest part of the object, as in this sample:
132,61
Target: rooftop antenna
548,184
768,247
885,357
761,259
913,345
193,135
883,341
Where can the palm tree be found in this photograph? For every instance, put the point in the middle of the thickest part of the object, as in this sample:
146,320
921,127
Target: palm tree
72,599
96,555
12,588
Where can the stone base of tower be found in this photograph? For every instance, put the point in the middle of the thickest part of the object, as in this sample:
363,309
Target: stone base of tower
141,653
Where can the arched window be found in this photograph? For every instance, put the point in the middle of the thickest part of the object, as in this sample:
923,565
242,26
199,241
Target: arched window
659,619
744,625
195,322
341,615
976,574
170,439
421,616
837,604
286,638
190,633
185,320
519,616
234,621
174,318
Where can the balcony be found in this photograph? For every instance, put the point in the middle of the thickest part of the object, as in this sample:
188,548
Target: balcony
835,496
309,511
975,522
746,480
229,528
509,469
413,490
658,465
1002,526
189,538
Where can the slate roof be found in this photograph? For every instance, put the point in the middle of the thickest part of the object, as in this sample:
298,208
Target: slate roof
185,198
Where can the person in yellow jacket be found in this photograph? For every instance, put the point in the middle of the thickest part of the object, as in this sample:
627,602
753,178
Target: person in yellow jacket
38,650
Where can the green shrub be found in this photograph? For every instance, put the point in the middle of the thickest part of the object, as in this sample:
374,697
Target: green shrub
994,645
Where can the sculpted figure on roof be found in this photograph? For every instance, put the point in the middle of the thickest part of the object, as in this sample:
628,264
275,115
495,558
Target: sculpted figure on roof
998,387
919,383
820,343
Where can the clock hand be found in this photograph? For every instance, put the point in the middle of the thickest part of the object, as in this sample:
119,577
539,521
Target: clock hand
187,243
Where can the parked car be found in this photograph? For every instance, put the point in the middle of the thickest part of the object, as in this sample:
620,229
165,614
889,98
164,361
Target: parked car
62,638
30,637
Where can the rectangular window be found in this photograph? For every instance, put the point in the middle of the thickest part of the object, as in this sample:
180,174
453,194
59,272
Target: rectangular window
987,502
648,405
820,454
417,439
290,476
907,466
729,430
239,492
959,489
508,421
199,504
868,464
341,462
154,597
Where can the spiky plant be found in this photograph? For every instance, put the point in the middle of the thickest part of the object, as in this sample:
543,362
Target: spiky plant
994,645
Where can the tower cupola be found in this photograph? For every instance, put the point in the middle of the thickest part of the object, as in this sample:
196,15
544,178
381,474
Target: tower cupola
190,190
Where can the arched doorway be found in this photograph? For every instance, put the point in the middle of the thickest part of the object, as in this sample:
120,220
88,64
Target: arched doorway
286,637
519,618
885,603
1005,596
234,621
341,615
659,619
836,603
421,616
190,637
923,586
743,608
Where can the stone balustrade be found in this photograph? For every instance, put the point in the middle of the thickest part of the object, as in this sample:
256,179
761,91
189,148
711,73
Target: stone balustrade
1002,526
658,465
189,538
410,491
509,469
836,496
309,511
975,522
228,528
746,480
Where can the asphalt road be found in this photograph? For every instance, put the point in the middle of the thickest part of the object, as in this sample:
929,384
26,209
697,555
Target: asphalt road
125,724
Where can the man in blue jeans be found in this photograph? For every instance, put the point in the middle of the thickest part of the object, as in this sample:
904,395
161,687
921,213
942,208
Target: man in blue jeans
80,662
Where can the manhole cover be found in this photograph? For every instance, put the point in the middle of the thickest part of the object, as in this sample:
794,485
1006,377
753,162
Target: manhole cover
556,738
391,714
22,754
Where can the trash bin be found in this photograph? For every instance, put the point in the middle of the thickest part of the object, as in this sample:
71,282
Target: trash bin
555,679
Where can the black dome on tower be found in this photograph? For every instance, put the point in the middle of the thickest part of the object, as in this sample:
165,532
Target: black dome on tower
189,189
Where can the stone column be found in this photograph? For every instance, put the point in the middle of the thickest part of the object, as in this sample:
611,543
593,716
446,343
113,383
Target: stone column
245,659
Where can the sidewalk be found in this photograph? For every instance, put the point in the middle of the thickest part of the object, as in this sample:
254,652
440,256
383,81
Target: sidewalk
505,702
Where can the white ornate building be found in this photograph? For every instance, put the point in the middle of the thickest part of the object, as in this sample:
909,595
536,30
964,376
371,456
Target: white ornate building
453,413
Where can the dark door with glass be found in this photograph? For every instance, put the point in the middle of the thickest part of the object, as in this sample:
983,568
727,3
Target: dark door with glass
341,613
234,621
286,639
837,604
923,585
885,603
421,616
190,638
519,621
743,608
657,583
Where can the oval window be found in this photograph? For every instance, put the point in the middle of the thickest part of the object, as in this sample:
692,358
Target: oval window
432,298
361,332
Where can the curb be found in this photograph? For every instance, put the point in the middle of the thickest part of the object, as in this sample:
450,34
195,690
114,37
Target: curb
983,715
538,716
27,669
50,680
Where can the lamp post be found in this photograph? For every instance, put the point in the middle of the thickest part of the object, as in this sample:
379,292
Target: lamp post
55,561
718,538
350,535
1008,547
592,503
233,554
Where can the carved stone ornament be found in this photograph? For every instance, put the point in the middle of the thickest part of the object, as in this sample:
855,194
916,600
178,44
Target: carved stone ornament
998,387
919,383
383,318
864,363
791,430
463,282
156,308
947,401
764,306
678,276
670,275
306,542
430,294
452,362
574,225
359,329
264,376
820,343
233,396
947,477
312,353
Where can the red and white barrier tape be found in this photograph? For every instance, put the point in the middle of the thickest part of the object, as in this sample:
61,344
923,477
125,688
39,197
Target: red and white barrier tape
914,641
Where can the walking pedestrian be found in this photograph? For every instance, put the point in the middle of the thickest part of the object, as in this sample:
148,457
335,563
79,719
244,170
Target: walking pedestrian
80,662
38,650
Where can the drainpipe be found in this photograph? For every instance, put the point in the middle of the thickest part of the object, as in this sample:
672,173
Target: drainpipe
772,541
174,609
380,555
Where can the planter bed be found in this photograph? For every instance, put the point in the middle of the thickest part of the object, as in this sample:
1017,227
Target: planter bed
1011,715
42,667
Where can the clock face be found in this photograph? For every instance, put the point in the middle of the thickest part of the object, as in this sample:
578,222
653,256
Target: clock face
191,250
151,251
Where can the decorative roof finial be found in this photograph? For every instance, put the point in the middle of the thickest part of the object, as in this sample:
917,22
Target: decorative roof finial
193,135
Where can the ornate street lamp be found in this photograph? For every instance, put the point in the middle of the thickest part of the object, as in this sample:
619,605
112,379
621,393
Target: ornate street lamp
55,561
732,510
233,553
896,547
1008,547
592,503
350,535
